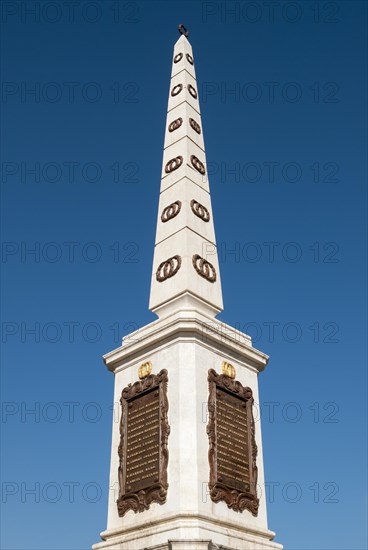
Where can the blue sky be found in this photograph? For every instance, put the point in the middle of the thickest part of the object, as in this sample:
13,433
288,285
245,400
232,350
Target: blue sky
282,93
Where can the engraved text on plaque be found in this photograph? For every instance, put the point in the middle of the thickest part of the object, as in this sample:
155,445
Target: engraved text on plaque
143,448
233,450
143,441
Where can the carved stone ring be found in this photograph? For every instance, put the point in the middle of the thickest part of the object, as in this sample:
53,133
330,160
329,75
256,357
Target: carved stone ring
178,57
189,58
196,127
175,124
183,30
198,165
192,91
176,89
204,268
168,268
200,210
173,164
171,211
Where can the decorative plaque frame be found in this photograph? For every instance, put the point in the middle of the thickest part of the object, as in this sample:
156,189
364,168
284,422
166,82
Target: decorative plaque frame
143,449
232,447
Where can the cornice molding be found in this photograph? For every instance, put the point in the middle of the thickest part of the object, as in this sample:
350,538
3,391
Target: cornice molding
187,325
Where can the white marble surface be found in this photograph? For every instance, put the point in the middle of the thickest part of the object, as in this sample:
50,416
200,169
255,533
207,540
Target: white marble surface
186,234
185,190
185,148
183,45
185,243
184,78
184,111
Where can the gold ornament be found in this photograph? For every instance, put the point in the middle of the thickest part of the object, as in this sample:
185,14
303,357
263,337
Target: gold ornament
145,370
228,369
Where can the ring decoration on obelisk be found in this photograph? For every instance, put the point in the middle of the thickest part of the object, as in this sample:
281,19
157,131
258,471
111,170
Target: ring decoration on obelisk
200,210
196,127
175,124
171,211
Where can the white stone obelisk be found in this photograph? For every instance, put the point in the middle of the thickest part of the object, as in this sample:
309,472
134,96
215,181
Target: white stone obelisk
187,341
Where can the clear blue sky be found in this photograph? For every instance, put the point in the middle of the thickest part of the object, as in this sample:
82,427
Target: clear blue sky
282,95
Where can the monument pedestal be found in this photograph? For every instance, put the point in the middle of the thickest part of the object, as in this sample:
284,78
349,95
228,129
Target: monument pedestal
187,344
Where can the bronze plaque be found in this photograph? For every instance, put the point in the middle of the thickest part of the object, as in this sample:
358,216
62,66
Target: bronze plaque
232,441
143,442
233,450
143,451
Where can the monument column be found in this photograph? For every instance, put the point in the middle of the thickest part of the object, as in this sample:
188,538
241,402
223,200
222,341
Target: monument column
186,467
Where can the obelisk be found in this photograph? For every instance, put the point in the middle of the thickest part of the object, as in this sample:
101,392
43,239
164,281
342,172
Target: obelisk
186,458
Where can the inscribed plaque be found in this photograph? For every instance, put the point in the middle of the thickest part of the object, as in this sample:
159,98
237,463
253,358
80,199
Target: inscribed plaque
232,446
143,451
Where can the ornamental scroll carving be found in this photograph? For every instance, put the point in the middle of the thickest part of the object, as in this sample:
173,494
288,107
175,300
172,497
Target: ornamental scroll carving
168,268
200,210
143,449
232,447
204,268
171,211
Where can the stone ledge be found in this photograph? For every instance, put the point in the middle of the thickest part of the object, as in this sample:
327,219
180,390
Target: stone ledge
188,324
246,538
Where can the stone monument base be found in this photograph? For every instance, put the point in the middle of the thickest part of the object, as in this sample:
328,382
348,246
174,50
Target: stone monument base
188,533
